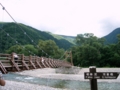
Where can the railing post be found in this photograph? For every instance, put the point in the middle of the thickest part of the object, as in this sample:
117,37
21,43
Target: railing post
12,57
93,82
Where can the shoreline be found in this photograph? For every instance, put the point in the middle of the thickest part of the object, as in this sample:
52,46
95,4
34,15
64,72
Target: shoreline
50,73
15,85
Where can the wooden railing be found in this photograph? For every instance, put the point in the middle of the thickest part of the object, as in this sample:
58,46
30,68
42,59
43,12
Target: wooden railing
8,63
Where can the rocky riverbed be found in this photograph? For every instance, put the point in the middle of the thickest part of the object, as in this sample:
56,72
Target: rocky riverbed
49,73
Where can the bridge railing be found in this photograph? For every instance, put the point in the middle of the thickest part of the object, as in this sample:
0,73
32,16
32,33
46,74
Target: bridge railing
8,63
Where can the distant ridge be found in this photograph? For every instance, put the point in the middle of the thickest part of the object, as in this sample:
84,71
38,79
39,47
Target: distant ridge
60,37
112,37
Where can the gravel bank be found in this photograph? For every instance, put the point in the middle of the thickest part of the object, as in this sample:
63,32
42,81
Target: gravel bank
12,85
51,73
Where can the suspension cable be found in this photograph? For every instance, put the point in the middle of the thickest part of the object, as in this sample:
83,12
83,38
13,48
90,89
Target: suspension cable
1,45
15,22
8,35
62,55
21,28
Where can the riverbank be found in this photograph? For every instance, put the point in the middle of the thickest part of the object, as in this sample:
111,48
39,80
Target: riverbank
78,75
13,85
52,73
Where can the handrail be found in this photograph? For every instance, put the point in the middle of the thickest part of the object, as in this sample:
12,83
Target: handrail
9,64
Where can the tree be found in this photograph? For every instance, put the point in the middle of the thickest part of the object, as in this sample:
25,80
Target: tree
49,48
30,50
88,49
26,50
16,49
118,44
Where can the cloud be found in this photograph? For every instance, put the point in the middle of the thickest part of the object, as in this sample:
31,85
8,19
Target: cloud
108,25
66,17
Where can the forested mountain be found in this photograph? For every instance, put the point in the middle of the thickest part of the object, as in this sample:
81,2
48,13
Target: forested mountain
112,37
91,51
11,34
68,38
88,50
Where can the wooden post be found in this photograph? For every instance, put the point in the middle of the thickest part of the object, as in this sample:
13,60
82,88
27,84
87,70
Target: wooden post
49,61
69,55
53,64
71,58
31,63
93,82
3,69
23,63
37,62
43,62
46,62
14,64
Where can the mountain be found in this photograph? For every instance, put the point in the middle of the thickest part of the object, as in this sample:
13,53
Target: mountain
12,33
68,38
112,37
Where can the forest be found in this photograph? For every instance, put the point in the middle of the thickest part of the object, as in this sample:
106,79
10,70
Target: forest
87,50
91,51
12,34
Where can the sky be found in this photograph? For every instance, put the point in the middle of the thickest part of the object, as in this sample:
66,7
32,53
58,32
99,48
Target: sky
65,17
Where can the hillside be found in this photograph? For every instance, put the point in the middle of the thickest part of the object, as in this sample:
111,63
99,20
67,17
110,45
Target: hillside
112,37
23,34
68,38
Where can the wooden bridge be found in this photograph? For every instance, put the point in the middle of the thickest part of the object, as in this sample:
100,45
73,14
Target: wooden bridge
9,64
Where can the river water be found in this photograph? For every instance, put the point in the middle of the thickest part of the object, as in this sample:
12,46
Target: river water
69,84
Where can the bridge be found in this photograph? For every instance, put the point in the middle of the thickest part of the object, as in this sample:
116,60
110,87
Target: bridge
9,64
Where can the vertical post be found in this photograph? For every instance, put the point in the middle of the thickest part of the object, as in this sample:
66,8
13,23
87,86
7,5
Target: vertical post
12,58
93,82
22,57
69,55
71,58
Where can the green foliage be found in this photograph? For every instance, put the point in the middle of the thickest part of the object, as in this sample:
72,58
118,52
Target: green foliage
26,50
16,49
11,32
87,51
91,50
68,38
50,47
30,50
111,38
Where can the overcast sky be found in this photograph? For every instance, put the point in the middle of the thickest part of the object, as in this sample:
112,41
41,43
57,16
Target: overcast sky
65,17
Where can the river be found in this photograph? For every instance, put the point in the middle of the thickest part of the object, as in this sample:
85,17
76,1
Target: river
57,83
